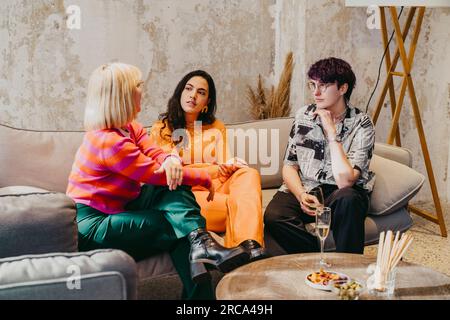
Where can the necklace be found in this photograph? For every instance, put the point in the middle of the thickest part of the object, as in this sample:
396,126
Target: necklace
341,116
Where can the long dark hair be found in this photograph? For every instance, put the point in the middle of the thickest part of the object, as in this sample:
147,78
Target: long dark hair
174,115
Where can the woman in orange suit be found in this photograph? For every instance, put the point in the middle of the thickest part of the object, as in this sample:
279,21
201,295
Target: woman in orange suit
189,126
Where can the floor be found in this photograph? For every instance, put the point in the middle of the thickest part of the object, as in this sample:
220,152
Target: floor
428,247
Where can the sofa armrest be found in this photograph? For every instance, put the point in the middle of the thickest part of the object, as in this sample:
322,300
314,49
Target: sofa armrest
34,221
398,154
98,274
395,185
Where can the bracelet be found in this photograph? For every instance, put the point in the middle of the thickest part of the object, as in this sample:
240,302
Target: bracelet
335,139
163,164
174,155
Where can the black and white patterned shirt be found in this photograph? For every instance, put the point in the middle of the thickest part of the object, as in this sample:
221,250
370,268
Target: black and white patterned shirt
309,149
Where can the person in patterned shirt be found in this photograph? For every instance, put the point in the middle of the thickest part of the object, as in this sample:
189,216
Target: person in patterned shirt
330,147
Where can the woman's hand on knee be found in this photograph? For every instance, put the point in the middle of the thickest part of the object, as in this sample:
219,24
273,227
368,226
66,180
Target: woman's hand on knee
231,166
225,171
237,162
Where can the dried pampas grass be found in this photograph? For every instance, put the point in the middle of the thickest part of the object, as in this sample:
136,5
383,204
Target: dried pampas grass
278,104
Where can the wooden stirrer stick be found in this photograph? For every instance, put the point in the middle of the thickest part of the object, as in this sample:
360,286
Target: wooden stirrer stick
380,249
386,253
400,245
394,249
403,250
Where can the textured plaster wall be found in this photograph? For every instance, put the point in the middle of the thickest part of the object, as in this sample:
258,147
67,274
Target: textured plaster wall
44,66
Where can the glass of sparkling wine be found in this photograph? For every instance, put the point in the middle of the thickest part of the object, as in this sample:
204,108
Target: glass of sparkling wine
323,222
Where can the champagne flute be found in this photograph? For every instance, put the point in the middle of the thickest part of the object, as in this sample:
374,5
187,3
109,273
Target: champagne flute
323,222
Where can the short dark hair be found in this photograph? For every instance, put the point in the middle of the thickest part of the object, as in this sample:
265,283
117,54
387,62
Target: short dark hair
174,115
334,70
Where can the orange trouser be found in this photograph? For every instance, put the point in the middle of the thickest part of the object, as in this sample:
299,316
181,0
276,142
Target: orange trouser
236,208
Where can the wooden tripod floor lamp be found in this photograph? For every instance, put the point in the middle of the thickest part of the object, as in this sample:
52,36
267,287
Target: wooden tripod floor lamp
407,59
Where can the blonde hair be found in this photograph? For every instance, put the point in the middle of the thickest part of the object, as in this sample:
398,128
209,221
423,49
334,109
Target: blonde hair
110,98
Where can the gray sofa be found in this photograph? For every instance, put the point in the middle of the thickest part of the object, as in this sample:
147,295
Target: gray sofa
38,235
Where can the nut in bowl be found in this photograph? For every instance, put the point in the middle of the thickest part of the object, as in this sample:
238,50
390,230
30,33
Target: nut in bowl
349,290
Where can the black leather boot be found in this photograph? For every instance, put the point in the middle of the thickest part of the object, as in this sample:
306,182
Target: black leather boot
254,249
206,250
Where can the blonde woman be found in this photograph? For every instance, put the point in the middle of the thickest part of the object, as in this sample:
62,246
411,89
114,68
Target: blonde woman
115,211
237,205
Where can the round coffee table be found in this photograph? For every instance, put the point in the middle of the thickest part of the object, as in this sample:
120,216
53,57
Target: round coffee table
283,278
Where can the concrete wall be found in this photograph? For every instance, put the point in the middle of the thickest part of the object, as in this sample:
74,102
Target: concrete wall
44,66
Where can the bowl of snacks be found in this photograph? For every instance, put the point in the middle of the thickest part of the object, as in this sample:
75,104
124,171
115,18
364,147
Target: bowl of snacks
349,290
323,280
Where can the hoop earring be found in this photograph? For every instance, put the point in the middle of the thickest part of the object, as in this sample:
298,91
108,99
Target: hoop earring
204,109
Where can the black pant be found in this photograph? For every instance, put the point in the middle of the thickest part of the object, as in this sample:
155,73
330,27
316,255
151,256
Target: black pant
285,220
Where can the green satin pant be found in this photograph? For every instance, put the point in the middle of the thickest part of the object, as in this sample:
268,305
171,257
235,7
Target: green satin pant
157,221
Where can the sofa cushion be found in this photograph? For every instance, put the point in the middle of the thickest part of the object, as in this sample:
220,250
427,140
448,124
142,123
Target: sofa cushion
34,221
395,185
96,274
262,144
157,265
37,158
